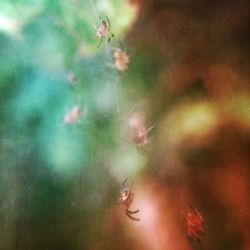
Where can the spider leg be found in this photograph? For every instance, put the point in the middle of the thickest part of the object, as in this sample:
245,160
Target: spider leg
124,182
108,20
100,42
194,210
132,212
131,217
142,149
149,129
121,45
120,201
199,243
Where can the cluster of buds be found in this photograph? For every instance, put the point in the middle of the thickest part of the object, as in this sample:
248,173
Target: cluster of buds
121,60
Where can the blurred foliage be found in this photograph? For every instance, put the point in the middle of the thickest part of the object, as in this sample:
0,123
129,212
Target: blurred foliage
188,77
52,174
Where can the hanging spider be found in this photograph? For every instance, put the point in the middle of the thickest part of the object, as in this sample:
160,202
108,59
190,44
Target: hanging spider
104,31
140,137
121,60
194,224
74,115
126,199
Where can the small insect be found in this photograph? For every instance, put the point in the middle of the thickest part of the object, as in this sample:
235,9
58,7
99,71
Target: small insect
194,224
121,60
104,31
140,137
73,116
126,199
138,130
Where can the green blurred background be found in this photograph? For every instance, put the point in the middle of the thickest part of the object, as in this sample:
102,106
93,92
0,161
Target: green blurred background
53,176
188,76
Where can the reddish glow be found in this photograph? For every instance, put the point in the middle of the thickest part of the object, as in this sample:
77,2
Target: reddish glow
194,224
158,228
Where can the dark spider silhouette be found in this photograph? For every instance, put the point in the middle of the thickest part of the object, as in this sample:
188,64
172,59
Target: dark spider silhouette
126,199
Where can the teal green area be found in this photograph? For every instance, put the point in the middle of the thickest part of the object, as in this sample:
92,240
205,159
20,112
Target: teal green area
175,124
53,175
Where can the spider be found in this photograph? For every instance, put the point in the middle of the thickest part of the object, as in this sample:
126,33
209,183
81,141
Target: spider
104,31
74,115
126,199
141,137
121,60
194,225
